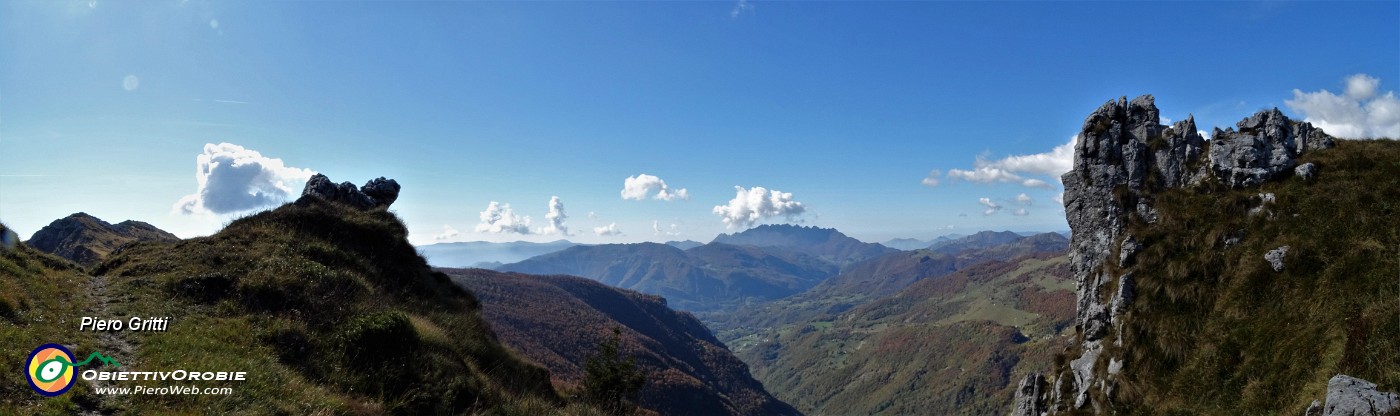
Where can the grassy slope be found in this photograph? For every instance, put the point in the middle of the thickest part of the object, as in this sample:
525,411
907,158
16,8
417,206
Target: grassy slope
1216,330
559,321
327,308
40,294
950,345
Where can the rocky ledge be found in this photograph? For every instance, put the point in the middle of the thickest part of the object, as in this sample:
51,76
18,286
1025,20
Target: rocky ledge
377,193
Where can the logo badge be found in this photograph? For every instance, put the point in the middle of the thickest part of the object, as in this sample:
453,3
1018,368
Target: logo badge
50,369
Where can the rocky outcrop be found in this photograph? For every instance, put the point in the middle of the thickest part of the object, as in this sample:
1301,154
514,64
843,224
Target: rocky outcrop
1275,258
1027,402
1305,171
1124,158
1350,396
86,239
377,193
1266,145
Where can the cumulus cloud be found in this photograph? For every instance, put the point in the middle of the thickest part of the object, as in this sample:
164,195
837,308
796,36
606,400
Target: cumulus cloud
1024,199
1020,212
231,178
656,229
992,207
499,218
1014,169
1360,112
555,218
447,233
609,230
641,186
753,205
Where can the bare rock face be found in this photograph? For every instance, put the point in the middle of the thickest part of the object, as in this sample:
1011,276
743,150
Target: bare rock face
1029,400
1351,396
1306,171
1266,145
377,193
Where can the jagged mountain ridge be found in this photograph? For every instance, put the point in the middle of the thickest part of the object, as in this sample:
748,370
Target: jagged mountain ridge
558,321
86,240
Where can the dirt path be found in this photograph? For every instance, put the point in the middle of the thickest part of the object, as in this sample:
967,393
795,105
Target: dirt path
116,344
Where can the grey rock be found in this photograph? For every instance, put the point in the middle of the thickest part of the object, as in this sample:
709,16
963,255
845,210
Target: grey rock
1351,396
1306,171
1265,199
1275,257
377,193
1314,409
1029,399
1266,144
1128,250
1083,368
1123,298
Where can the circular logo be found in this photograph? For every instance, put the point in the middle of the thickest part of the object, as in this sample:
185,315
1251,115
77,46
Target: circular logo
50,369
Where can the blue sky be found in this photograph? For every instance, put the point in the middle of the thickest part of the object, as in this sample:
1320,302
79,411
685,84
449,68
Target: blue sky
844,107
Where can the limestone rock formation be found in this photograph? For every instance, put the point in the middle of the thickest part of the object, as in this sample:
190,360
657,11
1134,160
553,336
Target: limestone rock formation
1124,158
1275,257
1306,171
1350,396
377,193
1028,400
1267,144
86,239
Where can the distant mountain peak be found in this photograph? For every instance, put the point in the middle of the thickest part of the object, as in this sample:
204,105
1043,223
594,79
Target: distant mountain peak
86,239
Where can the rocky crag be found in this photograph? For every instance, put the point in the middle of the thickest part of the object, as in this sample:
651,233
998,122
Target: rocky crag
377,193
1123,159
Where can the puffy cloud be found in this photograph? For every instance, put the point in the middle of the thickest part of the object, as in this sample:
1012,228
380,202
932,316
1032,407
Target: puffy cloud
1024,199
231,178
656,229
1020,212
447,233
1360,112
1014,169
500,219
640,186
753,205
992,207
609,230
555,218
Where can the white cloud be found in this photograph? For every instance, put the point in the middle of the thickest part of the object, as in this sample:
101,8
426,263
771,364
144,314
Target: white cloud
643,185
932,178
1024,199
656,229
231,178
500,219
1360,113
609,230
1014,169
447,233
753,205
992,207
1020,212
740,8
555,218
592,215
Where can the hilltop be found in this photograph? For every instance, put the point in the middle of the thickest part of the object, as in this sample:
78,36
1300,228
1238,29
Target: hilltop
558,321
87,240
826,243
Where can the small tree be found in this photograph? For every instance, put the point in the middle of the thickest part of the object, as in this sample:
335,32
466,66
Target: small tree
610,382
